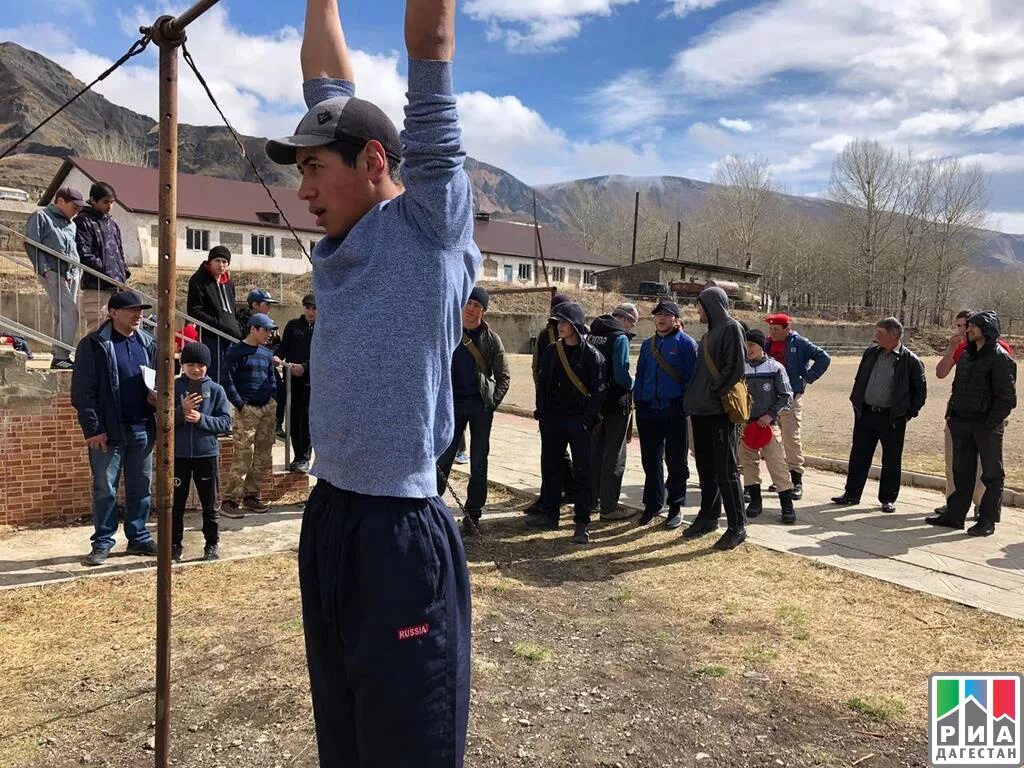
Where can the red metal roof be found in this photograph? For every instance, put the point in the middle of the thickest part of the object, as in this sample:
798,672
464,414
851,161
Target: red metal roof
509,238
199,197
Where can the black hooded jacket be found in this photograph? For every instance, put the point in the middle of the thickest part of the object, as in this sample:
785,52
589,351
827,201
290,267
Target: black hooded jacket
213,302
603,333
724,344
985,383
558,397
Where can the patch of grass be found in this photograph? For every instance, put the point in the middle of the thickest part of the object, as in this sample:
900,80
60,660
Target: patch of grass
795,618
531,651
762,656
712,671
731,607
878,707
622,597
292,625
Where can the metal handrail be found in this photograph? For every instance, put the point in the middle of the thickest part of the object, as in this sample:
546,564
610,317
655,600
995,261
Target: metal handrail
23,330
105,278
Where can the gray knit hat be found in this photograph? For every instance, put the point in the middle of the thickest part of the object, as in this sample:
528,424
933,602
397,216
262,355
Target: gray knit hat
628,311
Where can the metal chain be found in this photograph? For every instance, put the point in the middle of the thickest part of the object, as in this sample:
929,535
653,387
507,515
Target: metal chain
455,496
137,47
202,81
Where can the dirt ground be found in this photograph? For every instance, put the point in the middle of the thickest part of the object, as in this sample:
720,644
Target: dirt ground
828,418
640,650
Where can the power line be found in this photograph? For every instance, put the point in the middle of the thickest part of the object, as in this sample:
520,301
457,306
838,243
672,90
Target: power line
137,47
202,81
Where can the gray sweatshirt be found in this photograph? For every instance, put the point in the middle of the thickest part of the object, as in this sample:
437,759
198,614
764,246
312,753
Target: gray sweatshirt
724,343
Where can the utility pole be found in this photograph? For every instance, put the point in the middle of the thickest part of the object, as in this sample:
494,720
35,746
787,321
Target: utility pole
168,33
679,237
636,218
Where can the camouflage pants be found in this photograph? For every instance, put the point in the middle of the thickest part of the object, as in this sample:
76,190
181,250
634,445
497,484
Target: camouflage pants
253,436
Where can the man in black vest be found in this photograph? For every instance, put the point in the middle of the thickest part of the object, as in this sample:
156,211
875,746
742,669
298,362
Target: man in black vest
984,393
570,393
480,380
611,335
294,351
889,390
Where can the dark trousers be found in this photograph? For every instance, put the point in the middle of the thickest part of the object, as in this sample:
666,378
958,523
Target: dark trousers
479,418
556,434
203,472
714,450
386,616
663,442
218,347
972,441
872,427
608,460
301,442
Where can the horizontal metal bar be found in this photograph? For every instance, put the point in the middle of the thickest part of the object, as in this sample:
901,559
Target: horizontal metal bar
190,15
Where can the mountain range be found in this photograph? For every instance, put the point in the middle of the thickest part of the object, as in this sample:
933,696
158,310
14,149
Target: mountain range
34,86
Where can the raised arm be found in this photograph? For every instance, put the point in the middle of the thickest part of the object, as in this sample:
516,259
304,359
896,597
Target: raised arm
324,52
430,29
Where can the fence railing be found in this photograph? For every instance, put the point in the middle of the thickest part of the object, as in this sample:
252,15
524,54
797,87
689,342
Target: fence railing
26,315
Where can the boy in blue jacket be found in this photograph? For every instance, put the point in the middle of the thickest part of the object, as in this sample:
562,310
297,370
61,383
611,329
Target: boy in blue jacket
200,415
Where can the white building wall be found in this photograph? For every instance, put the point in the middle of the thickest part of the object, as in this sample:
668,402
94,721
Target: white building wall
140,244
574,272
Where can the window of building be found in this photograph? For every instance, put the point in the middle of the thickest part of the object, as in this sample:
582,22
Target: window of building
588,277
525,271
558,274
197,239
262,245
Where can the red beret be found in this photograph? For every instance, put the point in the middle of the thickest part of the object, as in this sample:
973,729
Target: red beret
779,318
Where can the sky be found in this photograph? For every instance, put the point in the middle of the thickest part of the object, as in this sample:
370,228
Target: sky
552,90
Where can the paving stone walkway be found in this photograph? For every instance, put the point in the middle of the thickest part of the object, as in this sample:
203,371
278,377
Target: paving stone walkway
986,573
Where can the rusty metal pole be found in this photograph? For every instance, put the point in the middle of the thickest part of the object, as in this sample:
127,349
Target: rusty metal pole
169,40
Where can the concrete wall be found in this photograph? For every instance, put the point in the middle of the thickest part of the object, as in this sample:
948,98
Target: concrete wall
517,330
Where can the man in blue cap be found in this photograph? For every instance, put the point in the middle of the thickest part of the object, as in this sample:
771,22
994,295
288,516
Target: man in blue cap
385,587
116,410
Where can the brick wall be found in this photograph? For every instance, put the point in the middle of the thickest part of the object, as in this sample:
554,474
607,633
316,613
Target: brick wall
44,467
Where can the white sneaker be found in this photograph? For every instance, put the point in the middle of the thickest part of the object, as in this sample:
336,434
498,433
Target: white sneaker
461,458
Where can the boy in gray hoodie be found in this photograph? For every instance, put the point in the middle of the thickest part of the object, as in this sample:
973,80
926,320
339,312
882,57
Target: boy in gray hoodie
770,393
720,364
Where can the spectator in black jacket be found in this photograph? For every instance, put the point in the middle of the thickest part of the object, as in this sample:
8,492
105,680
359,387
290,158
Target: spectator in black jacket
570,393
294,351
888,391
984,393
211,300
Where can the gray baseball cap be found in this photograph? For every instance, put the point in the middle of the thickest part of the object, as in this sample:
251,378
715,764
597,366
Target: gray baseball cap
344,118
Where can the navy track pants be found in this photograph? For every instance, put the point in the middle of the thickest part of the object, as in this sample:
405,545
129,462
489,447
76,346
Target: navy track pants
386,614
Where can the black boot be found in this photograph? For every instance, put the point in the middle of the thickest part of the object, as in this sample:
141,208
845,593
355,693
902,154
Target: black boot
754,508
786,501
798,484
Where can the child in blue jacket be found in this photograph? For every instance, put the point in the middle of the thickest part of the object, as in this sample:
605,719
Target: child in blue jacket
200,415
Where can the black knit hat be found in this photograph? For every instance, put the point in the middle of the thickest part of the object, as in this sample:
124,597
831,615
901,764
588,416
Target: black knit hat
479,295
755,336
219,252
559,298
195,352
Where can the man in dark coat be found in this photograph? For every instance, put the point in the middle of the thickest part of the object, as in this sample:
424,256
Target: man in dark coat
984,393
211,300
570,393
99,247
888,391
294,350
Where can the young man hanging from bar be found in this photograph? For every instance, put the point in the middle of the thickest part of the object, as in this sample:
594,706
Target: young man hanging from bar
385,589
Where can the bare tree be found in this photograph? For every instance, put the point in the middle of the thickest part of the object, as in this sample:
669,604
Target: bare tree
914,204
741,202
115,148
866,179
958,212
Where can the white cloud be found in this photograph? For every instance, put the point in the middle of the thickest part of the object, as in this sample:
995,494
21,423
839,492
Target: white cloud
1007,114
531,25
684,7
1006,221
710,138
29,35
631,101
738,125
995,162
934,121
